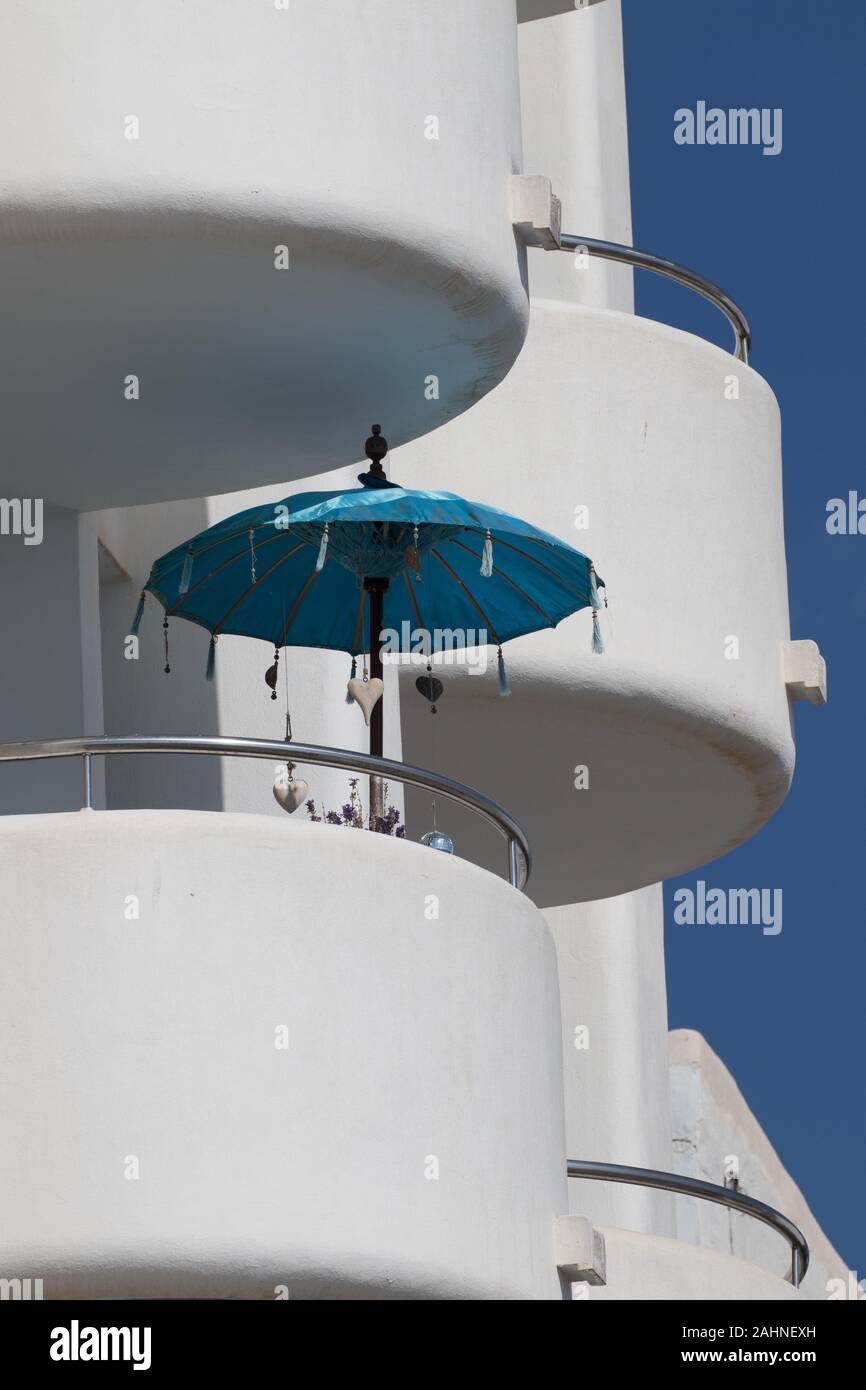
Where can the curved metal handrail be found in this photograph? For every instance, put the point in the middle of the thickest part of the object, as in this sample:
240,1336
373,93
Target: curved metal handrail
343,759
710,1192
645,260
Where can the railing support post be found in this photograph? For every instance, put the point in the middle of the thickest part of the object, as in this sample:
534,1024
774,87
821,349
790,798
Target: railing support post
88,783
513,869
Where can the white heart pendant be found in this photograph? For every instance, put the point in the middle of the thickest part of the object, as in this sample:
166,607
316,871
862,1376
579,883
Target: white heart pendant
290,795
366,694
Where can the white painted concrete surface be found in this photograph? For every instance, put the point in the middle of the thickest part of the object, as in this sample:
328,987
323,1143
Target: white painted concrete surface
688,752
410,1038
149,249
714,1127
573,100
614,1034
652,1268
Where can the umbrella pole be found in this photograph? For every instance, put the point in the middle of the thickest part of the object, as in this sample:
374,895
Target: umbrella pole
376,589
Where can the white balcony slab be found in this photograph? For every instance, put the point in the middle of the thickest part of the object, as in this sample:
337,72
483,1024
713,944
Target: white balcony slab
658,455
163,1136
274,224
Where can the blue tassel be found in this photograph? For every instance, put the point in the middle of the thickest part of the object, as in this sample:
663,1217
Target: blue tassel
487,558
597,643
349,700
211,659
136,622
503,682
186,573
323,549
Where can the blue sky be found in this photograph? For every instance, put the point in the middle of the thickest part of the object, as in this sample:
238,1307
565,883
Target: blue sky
783,235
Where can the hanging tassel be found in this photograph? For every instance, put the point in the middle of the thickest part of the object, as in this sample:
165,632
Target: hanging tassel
186,573
323,549
350,700
136,622
418,553
593,587
252,556
487,558
165,639
211,659
503,682
597,643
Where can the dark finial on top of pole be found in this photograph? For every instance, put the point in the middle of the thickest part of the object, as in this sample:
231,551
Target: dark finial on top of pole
376,448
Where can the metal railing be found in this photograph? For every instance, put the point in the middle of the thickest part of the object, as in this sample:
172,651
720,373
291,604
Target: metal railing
645,260
710,1192
519,854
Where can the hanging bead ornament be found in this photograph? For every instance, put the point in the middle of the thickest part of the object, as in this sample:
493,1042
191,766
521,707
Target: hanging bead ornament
432,689
211,659
412,556
165,639
289,792
273,672
487,557
350,699
252,556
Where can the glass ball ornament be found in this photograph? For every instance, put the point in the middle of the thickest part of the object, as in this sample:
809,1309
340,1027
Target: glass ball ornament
437,839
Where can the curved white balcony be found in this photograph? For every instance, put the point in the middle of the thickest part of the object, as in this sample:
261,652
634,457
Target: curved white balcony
155,160
670,449
644,1268
402,1137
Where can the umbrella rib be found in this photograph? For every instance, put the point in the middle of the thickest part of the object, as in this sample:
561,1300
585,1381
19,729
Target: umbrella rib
196,554
302,594
532,560
412,599
359,623
246,593
472,600
516,587
182,598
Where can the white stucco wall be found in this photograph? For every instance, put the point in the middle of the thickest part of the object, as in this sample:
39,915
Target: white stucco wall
573,102
614,1032
257,128
49,626
688,751
713,1125
651,1268
411,1037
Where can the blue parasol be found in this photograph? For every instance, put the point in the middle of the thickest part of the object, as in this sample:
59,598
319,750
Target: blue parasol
418,569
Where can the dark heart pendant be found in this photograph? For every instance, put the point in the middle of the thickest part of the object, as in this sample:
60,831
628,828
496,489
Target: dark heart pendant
430,688
271,677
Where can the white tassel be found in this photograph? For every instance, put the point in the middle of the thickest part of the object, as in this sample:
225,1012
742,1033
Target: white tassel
323,549
597,643
593,588
186,573
487,558
503,680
